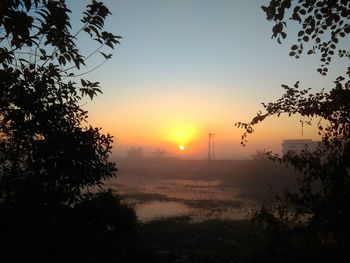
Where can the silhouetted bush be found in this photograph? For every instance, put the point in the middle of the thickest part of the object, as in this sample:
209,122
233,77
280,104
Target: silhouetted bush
98,229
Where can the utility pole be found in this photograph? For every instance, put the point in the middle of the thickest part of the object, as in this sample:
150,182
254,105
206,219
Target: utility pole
211,153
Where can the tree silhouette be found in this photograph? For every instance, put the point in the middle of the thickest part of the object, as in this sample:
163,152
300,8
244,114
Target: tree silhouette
50,158
159,153
134,153
313,221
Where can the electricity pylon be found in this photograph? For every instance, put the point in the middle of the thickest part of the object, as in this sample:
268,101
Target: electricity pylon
211,145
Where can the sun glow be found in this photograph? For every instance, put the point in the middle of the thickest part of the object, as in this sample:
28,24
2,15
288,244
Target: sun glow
182,135
182,148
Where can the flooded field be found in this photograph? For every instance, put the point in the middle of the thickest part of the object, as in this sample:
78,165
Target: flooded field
198,189
199,199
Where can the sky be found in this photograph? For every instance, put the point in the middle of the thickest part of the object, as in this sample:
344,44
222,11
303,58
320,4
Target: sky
186,68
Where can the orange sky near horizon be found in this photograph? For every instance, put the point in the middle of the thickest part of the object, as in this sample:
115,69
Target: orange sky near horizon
187,68
153,129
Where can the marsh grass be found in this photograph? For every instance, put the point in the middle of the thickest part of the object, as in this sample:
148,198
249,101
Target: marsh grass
179,239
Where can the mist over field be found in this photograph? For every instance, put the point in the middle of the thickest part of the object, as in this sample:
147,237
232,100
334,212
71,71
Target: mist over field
174,187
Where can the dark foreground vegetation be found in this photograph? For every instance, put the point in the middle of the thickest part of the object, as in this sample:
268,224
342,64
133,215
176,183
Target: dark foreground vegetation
97,229
180,240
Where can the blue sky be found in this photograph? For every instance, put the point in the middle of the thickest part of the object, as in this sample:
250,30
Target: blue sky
203,63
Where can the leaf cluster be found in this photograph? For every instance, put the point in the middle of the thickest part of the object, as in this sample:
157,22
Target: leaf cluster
321,25
38,32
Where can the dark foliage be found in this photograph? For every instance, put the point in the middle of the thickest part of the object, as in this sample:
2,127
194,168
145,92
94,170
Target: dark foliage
97,229
313,222
180,240
49,156
322,25
46,145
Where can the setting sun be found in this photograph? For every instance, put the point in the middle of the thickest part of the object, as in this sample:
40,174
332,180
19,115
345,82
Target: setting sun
181,148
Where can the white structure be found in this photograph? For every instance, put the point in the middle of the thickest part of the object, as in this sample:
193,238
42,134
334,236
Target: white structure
296,146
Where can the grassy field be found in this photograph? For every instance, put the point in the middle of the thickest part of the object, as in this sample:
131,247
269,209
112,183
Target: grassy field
180,240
